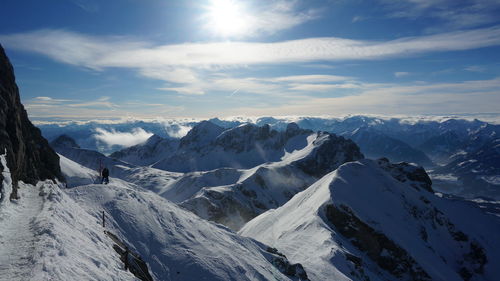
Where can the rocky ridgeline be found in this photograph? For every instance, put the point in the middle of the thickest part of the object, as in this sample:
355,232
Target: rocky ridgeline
29,156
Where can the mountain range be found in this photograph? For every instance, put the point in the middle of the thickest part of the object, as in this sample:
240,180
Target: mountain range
268,199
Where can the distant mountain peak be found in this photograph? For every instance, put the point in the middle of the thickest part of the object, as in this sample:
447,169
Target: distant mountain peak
64,141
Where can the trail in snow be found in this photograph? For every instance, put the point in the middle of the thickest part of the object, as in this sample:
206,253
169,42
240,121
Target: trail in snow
17,238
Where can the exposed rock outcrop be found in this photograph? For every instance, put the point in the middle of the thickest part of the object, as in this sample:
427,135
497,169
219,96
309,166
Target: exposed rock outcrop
407,172
29,156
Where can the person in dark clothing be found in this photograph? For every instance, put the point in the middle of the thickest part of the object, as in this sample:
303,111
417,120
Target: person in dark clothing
105,176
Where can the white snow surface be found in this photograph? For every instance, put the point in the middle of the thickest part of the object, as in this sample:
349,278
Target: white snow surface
301,230
55,233
176,244
45,235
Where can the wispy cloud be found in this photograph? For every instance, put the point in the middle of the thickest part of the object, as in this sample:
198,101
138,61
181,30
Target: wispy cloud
102,102
90,6
192,68
453,14
401,74
113,137
101,52
475,68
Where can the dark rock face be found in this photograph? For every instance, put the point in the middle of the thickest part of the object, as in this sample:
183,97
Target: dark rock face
406,172
282,264
378,247
332,152
29,156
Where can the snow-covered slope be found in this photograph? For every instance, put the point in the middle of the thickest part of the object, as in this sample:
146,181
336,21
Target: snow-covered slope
371,219
153,150
176,244
147,177
57,234
234,196
45,235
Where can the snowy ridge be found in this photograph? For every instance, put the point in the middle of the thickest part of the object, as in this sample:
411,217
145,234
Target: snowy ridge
359,221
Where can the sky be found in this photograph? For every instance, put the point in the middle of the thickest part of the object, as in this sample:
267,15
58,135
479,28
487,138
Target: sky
94,59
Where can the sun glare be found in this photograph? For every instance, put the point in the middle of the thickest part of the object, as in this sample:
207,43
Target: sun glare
227,17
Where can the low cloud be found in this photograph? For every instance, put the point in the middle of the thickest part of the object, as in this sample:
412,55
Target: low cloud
125,139
176,130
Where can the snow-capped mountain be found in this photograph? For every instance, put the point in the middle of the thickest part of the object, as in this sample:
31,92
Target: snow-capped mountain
153,150
307,194
378,221
374,144
473,174
208,146
442,146
234,196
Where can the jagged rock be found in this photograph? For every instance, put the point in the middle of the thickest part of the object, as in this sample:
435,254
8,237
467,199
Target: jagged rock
407,172
283,264
29,156
332,152
208,146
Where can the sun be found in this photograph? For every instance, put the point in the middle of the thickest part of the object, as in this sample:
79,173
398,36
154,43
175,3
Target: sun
227,18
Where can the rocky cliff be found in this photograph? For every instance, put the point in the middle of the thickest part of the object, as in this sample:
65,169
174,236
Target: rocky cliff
29,156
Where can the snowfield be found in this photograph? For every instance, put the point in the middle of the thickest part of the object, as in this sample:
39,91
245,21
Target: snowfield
45,235
63,237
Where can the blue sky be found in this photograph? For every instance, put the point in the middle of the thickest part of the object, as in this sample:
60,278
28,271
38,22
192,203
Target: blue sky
88,59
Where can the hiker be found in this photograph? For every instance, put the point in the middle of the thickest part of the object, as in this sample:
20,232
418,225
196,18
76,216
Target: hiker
105,176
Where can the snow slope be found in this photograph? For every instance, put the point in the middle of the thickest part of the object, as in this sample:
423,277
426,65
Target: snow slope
175,243
147,177
45,235
362,222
